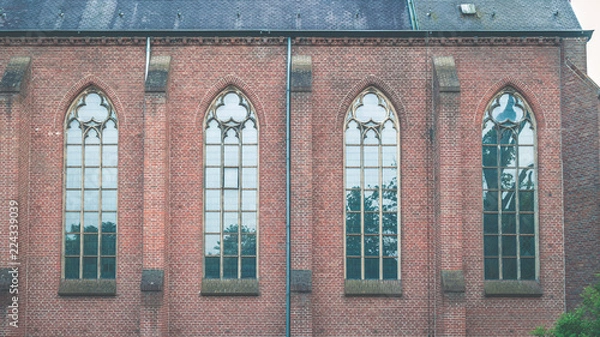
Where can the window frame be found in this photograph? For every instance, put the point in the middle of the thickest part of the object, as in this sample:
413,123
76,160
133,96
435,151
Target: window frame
504,126
349,117
70,117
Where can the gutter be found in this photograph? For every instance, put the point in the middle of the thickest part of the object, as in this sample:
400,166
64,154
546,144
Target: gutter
288,187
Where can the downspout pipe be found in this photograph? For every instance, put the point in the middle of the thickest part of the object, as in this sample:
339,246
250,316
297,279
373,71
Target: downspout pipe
147,57
288,188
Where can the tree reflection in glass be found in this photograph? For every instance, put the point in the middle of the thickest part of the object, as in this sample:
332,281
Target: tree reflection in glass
509,184
231,187
371,181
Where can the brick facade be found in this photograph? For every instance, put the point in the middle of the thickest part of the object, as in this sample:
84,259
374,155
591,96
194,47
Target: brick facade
160,201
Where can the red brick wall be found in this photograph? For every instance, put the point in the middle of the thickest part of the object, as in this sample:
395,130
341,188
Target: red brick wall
199,71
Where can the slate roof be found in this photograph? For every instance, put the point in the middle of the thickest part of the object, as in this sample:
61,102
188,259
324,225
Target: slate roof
497,15
182,16
212,15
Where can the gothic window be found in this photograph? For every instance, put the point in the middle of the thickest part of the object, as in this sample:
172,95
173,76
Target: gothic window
509,189
90,199
372,234
230,187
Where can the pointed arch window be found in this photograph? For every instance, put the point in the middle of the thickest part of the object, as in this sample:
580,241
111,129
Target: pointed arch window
90,198
509,189
372,232
230,187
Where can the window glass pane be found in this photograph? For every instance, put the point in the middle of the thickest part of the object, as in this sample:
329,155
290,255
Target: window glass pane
509,201
352,223
371,138
71,267
506,137
90,244
490,223
526,156
509,245
371,268
73,177
491,269
249,177
92,155
230,222
212,177
526,202
509,223
213,133
213,155
211,267
490,245
249,155
230,178
388,135
249,221
353,156
212,244
249,244
389,156
390,269
528,269
353,200
390,178
110,134
390,245
371,245
109,200
490,178
371,156
231,200
526,223
109,177
489,156
353,268
527,245
509,269
526,179
110,155
72,244
230,244
526,134
90,222
231,137
230,267
213,200
371,222
489,133
73,155
72,222
249,200
353,245
490,201
390,223
73,133
249,133
91,200
90,267
352,178
73,201
109,244
91,177
212,222
508,156
371,178
508,179
107,267
248,267
109,222
371,201
231,155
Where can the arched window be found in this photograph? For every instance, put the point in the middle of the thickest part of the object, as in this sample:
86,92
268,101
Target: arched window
90,198
372,190
230,187
509,189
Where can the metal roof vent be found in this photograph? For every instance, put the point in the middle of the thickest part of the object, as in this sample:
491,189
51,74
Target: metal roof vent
468,9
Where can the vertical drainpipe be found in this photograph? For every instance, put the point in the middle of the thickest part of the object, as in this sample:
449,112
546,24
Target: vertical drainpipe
288,187
413,15
147,58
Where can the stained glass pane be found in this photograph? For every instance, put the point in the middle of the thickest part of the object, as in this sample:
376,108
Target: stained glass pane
527,223
526,202
527,245
509,223
490,223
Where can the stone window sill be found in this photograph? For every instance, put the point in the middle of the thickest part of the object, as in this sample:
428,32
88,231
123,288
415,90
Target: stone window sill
512,288
87,287
229,287
385,288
